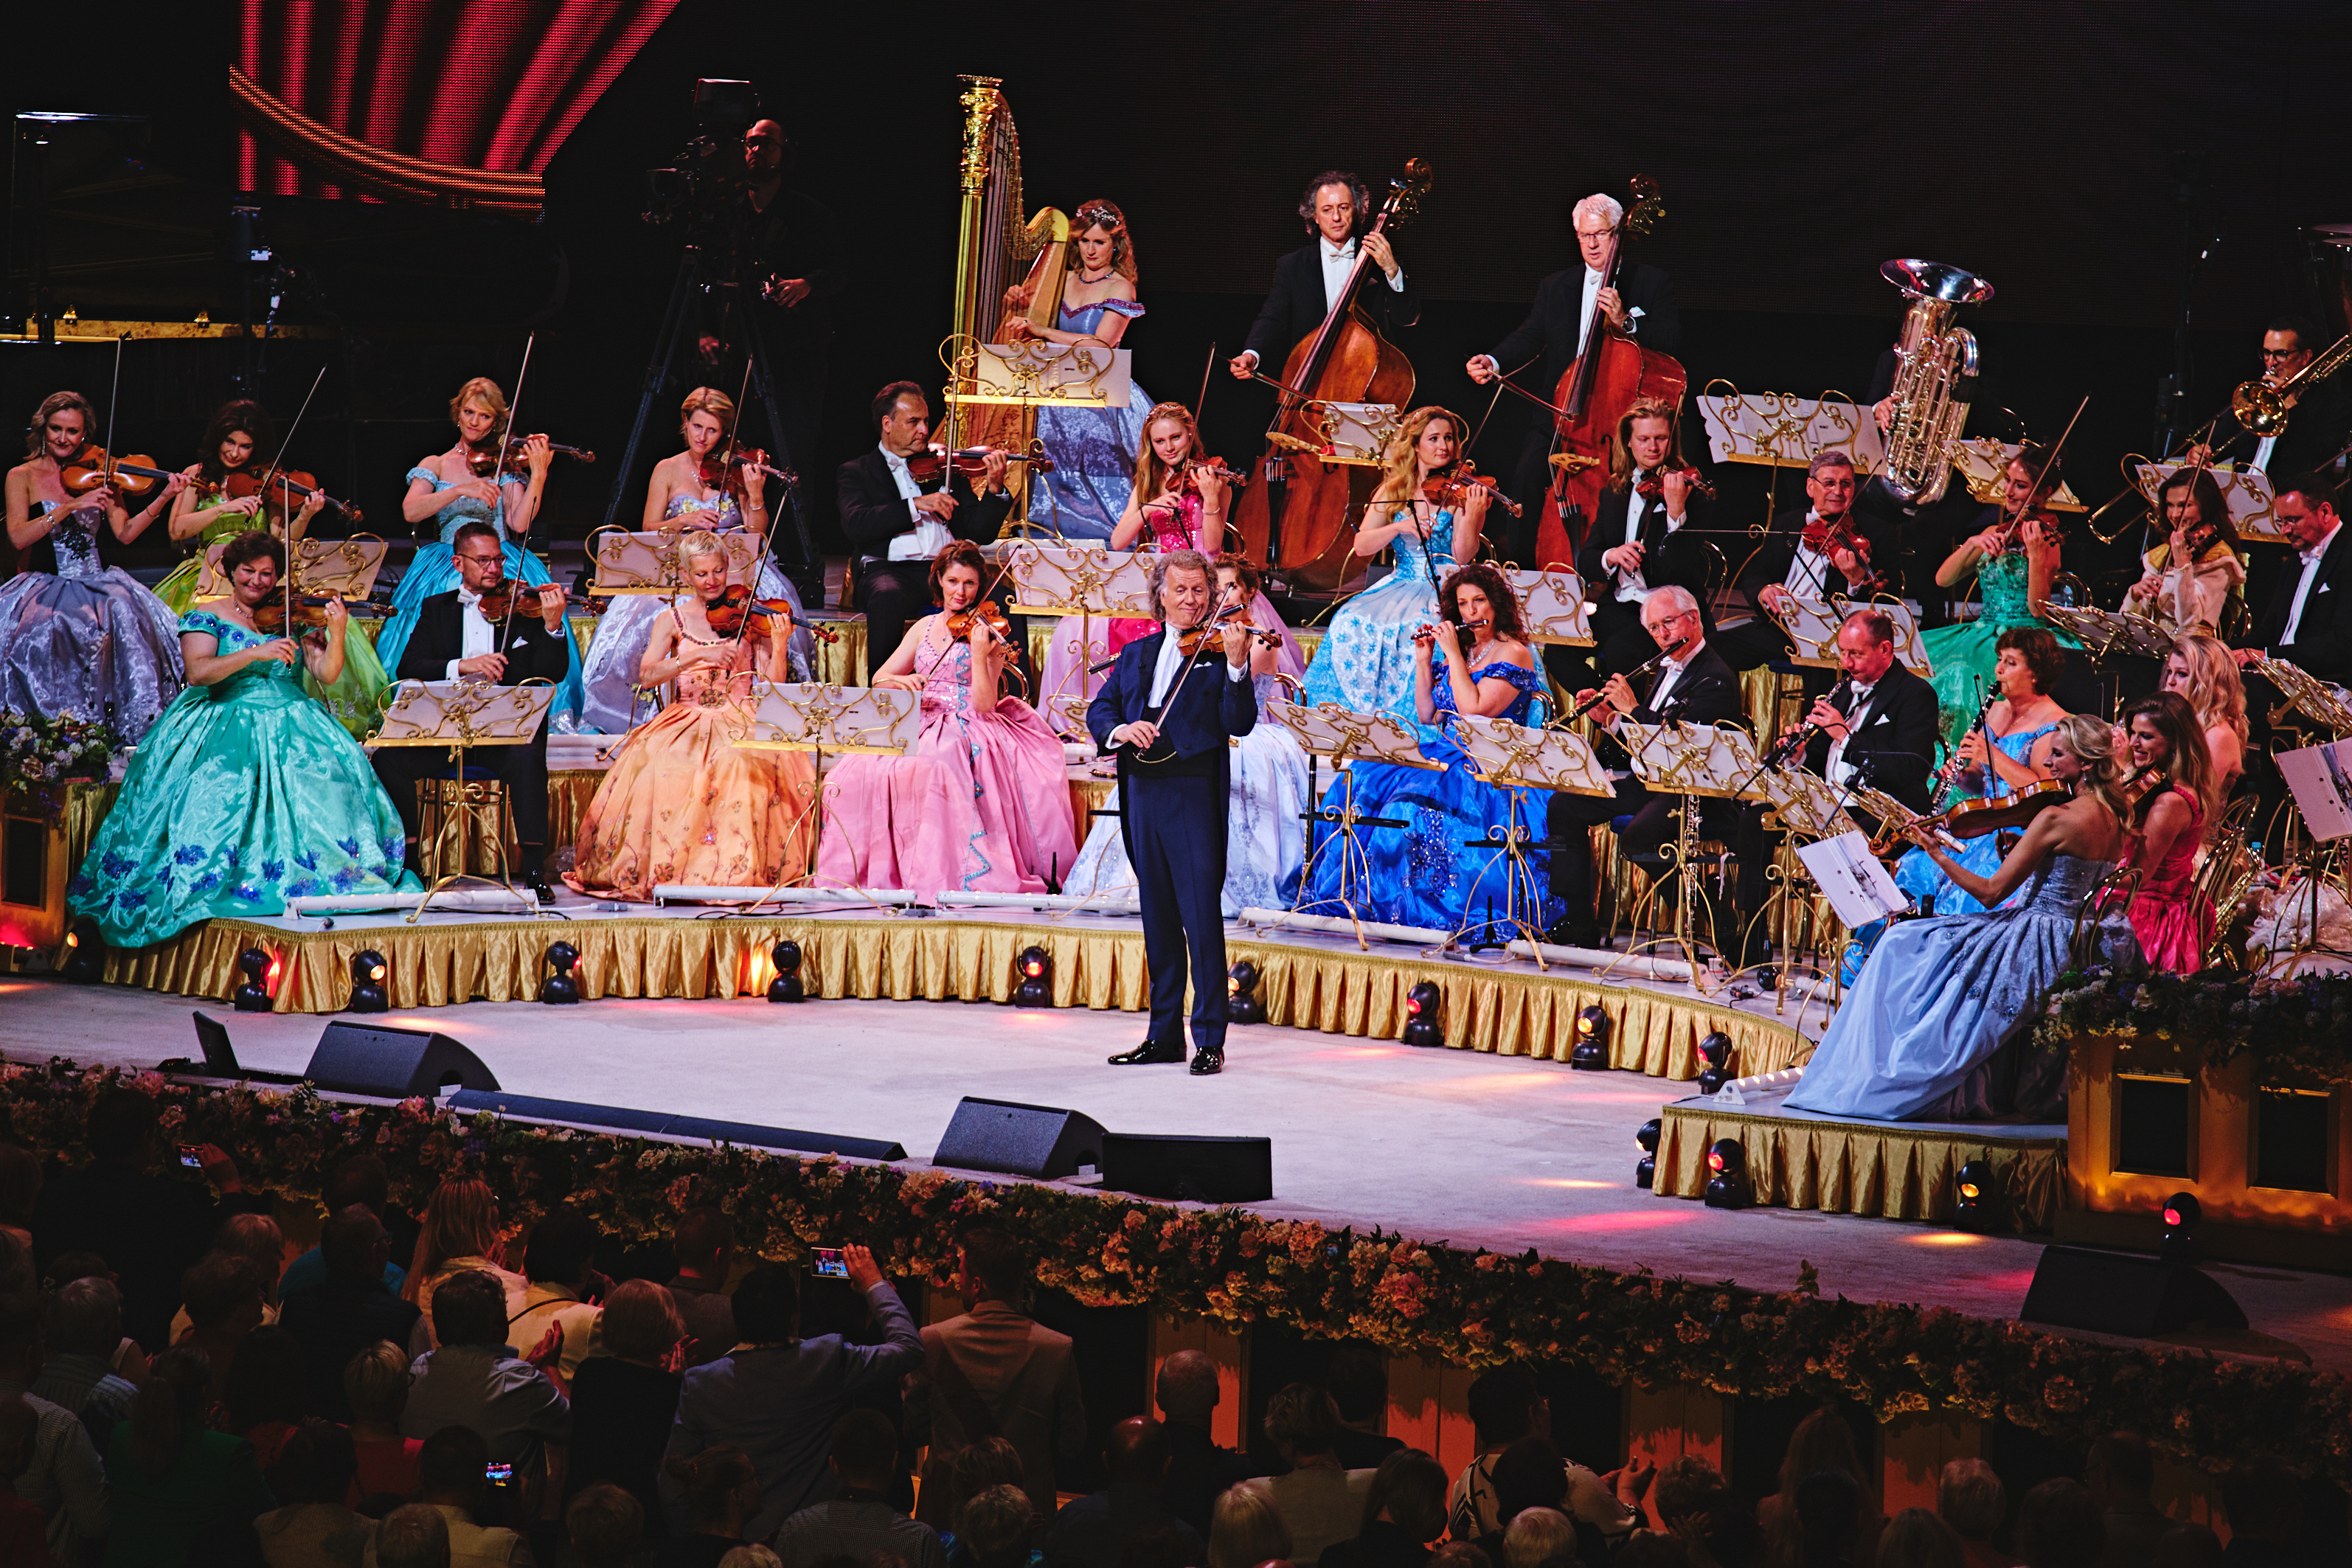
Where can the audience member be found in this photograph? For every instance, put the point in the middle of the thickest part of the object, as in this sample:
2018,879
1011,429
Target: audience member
349,1308
358,1179
23,1536
313,1527
1827,1509
704,1241
1971,1499
1531,1474
223,1295
1822,1441
453,1470
1358,1382
604,1525
169,1476
256,1239
1460,1555
1403,1512
860,1521
1506,1404
1649,1549
1916,1538
1246,1529
996,1528
2188,1546
1722,1532
268,1393
82,1328
20,1191
375,1388
2120,1476
416,1536
624,1401
778,1396
1094,1531
1199,1471
475,1380
559,1263
995,1372
149,1228
2058,1526
751,1554
994,1463
62,1476
1321,1502
1539,1537
723,1491
459,1234
2264,1509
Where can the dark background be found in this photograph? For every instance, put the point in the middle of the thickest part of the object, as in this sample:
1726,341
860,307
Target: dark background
2069,153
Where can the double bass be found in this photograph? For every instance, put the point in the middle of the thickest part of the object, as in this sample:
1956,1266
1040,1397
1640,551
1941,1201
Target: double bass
1301,522
1610,377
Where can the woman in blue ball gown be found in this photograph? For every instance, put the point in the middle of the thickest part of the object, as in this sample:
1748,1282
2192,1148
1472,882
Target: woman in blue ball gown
1424,874
1937,1029
247,791
1093,448
1366,660
444,490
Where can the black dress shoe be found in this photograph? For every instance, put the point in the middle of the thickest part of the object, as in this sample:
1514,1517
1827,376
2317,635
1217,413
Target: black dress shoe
1208,1061
537,882
1151,1053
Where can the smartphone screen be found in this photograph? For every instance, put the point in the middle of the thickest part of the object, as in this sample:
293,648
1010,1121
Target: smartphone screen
829,1264
497,1474
190,1158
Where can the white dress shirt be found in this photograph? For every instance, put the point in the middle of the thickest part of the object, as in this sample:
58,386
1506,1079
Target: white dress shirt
1857,713
1171,660
1336,264
1669,672
2263,449
927,536
1808,569
2311,560
475,627
1632,587
1584,311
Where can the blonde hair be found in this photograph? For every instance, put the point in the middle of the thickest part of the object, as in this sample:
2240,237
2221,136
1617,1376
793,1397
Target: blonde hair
1150,473
1247,1529
1620,444
2092,741
376,1381
694,543
462,1221
1536,1536
1400,460
2215,689
707,400
484,391
37,433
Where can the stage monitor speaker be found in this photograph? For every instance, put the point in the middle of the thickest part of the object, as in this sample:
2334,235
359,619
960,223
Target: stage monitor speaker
362,1058
1039,1141
2125,1293
1201,1170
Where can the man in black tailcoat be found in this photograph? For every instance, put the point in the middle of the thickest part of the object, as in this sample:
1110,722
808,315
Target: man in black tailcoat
896,522
1338,209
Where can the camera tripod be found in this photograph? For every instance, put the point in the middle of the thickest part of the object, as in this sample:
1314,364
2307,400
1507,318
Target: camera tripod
696,277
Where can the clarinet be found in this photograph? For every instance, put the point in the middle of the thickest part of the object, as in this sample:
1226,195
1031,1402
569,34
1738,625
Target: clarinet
1952,769
1796,740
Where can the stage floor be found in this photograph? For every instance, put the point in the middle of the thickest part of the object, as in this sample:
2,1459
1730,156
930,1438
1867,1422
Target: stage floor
1441,1145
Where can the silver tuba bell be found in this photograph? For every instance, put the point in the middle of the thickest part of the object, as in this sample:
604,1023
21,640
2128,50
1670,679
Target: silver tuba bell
1931,360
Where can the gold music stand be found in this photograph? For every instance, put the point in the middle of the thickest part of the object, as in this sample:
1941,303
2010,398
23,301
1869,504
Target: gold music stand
1807,807
1697,762
458,715
814,717
1517,759
1090,581
1344,735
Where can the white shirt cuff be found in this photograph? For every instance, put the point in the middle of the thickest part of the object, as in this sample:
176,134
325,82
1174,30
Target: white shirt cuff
1396,284
1235,671
452,674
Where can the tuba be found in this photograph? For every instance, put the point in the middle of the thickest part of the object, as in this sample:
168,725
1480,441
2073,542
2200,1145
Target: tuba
1932,359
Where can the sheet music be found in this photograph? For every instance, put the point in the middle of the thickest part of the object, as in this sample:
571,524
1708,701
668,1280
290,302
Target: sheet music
1813,626
1508,753
1806,803
809,715
1859,888
1079,580
2321,778
346,568
1039,374
462,713
648,560
2246,493
1683,758
1551,604
1343,735
1778,428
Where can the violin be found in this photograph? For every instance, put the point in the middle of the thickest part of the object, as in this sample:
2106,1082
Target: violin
1193,469
482,461
714,470
309,610
929,467
280,483
1191,642
1824,536
1975,818
959,621
726,614
1656,485
92,468
499,602
1449,490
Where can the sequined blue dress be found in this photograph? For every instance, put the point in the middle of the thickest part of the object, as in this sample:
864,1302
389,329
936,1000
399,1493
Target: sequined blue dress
1423,874
433,570
1922,878
1092,449
1365,661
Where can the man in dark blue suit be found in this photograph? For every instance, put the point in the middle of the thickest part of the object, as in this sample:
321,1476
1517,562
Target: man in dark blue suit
1168,719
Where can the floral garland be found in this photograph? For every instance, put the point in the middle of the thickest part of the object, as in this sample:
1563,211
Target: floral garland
2298,1029
38,757
1470,1307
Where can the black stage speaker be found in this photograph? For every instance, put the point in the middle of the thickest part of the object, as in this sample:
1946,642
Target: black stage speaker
620,1119
360,1058
2123,1293
1203,1170
1038,1140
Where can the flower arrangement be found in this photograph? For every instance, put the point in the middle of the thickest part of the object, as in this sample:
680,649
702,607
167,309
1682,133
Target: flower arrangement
1468,1306
39,756
2298,1028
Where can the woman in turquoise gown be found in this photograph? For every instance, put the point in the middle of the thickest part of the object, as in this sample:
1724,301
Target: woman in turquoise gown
1092,449
1936,1028
1424,874
247,791
444,490
1367,661
2015,560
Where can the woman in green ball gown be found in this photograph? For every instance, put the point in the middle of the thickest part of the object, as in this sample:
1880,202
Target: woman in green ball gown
2015,558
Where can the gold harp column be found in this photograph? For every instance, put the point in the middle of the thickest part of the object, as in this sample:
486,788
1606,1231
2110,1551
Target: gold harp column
982,103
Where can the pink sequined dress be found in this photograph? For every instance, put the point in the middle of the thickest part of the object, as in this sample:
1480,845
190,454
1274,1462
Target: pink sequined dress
979,803
2169,914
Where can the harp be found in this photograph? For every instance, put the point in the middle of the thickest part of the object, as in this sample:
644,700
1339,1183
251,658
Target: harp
993,248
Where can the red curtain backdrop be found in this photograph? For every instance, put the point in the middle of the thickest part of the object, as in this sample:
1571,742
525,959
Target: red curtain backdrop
485,84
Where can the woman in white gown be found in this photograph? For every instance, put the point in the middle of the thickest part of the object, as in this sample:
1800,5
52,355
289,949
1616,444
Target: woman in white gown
1265,836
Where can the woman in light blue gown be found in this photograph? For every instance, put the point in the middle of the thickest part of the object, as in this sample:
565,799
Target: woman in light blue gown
678,496
1093,448
1367,661
1936,1028
444,490
1424,874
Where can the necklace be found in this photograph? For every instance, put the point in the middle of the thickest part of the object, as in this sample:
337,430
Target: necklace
1088,277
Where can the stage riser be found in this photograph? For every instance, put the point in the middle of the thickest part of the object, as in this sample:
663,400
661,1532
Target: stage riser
1880,1170
1515,1013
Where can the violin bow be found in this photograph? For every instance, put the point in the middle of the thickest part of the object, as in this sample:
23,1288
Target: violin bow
2048,457
278,459
978,599
499,482
1208,622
